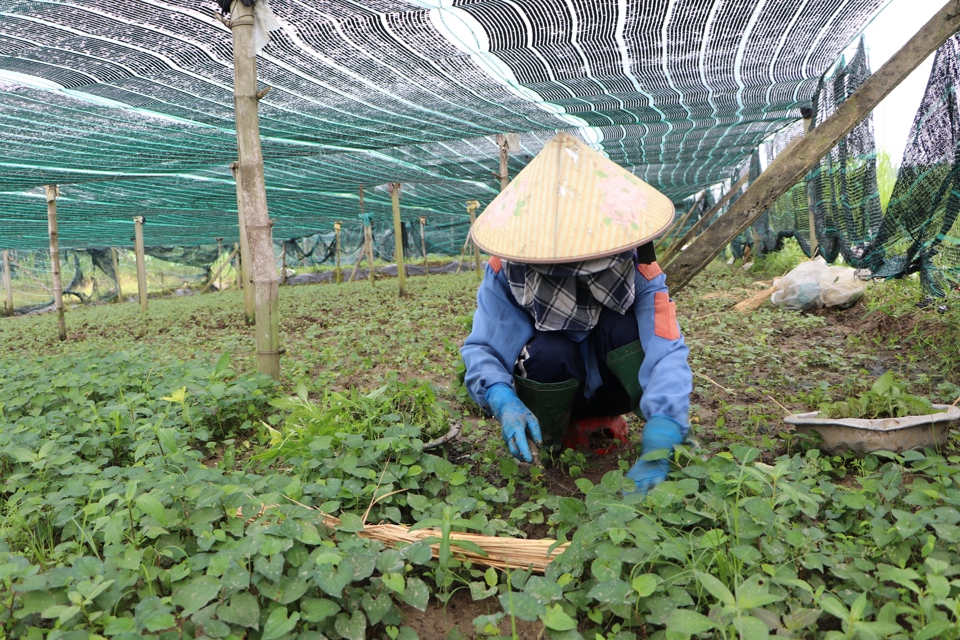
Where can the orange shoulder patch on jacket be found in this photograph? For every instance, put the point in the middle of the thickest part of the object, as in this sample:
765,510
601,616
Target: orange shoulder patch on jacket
649,271
665,317
496,264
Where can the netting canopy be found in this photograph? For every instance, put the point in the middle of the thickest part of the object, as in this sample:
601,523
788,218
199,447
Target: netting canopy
128,104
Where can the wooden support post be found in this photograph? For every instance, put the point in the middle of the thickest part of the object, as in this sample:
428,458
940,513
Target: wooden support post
472,210
7,285
116,273
141,262
807,114
680,222
793,164
504,161
338,277
52,193
220,270
398,238
423,244
253,193
368,247
702,222
223,265
238,270
283,263
244,278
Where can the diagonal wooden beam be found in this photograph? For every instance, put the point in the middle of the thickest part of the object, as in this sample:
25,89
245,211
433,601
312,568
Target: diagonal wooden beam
793,164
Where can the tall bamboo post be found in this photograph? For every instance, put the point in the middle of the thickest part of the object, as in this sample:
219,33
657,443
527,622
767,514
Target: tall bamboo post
504,161
423,244
283,263
52,193
807,114
398,238
368,246
243,260
7,285
141,262
220,271
338,277
116,273
793,163
238,272
472,210
253,192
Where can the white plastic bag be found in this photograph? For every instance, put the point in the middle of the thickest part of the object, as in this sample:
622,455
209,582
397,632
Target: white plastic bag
841,287
814,284
799,290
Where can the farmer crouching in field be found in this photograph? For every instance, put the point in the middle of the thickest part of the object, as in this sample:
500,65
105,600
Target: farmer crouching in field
574,326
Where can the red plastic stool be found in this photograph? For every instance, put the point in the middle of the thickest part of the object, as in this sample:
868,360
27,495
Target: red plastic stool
579,434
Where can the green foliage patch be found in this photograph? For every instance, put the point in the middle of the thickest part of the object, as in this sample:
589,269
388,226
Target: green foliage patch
887,398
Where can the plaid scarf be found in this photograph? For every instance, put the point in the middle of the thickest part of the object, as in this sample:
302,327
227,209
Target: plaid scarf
572,295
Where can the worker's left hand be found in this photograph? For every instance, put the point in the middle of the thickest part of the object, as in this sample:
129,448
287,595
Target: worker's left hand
660,434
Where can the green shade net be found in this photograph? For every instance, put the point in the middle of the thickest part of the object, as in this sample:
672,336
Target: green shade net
920,230
127,104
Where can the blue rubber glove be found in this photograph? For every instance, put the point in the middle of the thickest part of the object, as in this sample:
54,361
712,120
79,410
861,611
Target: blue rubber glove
659,433
515,419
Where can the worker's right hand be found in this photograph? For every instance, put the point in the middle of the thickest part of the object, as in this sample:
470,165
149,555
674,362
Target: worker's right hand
515,419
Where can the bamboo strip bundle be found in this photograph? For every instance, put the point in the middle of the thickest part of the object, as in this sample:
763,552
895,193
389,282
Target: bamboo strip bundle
502,553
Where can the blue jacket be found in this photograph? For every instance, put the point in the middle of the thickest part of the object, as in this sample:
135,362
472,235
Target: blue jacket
501,328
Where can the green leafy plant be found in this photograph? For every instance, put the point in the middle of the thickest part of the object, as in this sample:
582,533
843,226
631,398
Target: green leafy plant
887,398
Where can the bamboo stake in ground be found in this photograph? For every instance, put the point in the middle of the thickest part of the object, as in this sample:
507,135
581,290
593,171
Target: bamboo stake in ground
792,165
504,161
7,285
238,269
223,265
472,210
243,258
703,222
423,243
52,194
338,277
283,263
679,223
398,237
814,245
141,262
116,273
253,193
220,271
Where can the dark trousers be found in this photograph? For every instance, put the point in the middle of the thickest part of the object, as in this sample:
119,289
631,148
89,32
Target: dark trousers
551,357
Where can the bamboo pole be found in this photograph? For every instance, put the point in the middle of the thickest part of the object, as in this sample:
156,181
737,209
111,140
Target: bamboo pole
793,164
116,273
253,193
423,243
368,247
703,222
52,193
680,222
223,265
7,285
238,270
338,276
283,263
472,210
141,262
504,174
398,238
814,245
244,261
220,270
463,254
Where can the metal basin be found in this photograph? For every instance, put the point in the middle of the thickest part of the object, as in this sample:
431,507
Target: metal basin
886,434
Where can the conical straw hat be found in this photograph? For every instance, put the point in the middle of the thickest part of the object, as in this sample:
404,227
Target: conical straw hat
571,204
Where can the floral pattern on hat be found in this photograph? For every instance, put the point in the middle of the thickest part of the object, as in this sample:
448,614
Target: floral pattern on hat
511,204
622,201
